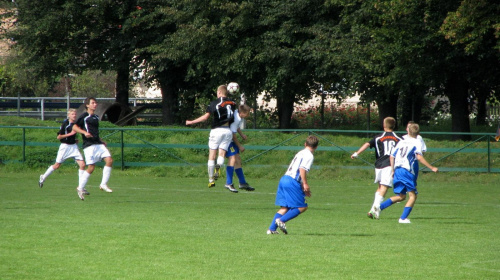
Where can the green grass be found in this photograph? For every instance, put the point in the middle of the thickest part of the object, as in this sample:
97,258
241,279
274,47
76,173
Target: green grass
157,225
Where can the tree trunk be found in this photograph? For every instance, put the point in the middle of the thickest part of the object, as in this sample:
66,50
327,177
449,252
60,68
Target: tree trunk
122,85
285,111
456,89
387,107
481,108
411,108
169,104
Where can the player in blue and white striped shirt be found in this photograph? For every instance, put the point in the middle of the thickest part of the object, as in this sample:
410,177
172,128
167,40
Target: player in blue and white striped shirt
293,187
404,163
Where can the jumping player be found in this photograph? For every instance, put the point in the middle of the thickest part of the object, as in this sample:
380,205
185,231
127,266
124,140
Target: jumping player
93,147
383,143
233,153
67,149
222,111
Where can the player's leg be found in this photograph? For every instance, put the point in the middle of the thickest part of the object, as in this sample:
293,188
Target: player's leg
212,154
238,169
274,225
229,174
106,173
412,197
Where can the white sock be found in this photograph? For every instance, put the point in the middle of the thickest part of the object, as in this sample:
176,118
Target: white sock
378,199
48,172
83,180
106,172
80,173
211,168
220,161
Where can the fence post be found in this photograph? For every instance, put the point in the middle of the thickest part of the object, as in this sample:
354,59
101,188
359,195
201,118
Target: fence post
123,155
489,152
42,108
24,144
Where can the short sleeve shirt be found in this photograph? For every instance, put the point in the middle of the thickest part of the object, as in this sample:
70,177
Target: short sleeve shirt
236,123
67,127
384,143
303,159
89,123
405,154
222,111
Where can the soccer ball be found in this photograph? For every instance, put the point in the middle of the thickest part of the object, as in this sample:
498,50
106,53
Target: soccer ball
233,88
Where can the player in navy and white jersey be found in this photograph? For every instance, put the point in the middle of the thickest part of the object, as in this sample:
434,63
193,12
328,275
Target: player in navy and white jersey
93,147
404,166
293,187
222,112
233,152
67,149
383,143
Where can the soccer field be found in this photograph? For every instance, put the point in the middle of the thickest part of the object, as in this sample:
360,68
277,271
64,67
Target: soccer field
177,228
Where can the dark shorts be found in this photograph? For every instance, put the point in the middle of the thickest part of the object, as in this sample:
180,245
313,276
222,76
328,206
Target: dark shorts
290,193
232,150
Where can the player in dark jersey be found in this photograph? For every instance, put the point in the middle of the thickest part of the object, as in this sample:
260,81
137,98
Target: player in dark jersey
383,143
93,147
222,112
67,149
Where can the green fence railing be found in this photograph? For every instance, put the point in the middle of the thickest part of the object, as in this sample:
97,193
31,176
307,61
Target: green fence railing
141,147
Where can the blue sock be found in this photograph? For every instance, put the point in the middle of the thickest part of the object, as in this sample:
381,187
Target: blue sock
273,226
406,212
386,204
229,174
292,213
241,176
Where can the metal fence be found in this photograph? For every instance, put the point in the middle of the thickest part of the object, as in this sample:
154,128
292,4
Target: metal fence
130,147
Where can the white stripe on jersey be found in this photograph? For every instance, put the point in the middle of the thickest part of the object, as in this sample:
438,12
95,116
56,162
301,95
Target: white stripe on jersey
303,159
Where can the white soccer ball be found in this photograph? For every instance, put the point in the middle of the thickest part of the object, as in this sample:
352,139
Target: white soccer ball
233,88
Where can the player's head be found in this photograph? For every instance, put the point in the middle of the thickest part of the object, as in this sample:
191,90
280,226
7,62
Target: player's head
389,123
408,125
312,142
90,102
244,110
413,130
72,114
222,91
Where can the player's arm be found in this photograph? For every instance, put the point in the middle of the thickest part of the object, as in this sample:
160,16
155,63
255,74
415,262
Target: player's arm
391,159
361,149
243,136
422,160
305,185
79,130
237,143
62,136
198,120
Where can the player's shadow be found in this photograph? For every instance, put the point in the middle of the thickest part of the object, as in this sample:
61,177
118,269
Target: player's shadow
339,234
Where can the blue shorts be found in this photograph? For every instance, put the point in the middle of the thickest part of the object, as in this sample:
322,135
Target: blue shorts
232,150
290,193
404,181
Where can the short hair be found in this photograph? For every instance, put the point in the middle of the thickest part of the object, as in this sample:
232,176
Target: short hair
390,123
222,89
71,110
414,130
244,108
87,100
312,141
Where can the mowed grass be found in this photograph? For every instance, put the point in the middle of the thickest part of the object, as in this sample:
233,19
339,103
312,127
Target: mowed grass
177,228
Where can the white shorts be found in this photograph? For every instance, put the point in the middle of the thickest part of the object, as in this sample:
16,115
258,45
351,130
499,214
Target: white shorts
68,151
95,153
220,138
383,176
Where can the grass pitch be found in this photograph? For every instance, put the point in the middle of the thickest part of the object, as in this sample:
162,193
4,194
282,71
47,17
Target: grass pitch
177,228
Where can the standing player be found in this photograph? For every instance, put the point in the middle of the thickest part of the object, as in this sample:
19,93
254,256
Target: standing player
222,111
383,144
404,165
93,147
293,187
233,153
67,149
